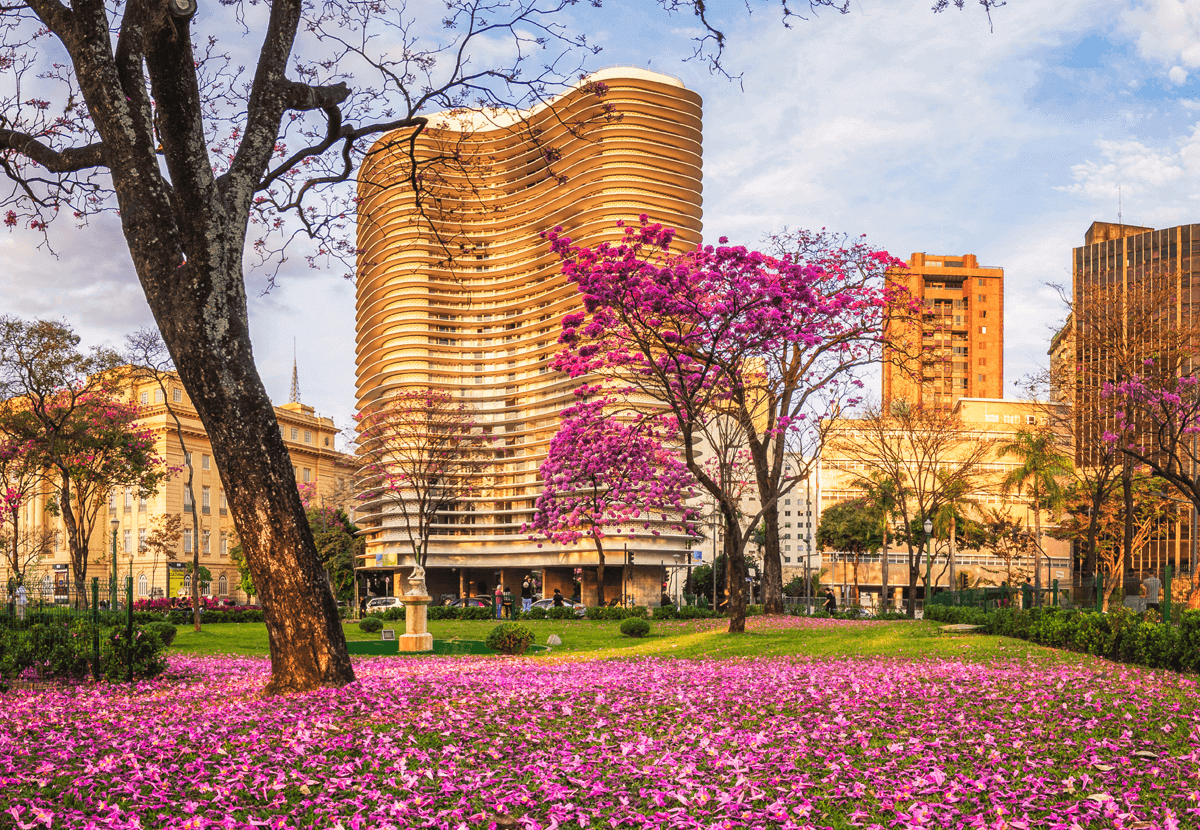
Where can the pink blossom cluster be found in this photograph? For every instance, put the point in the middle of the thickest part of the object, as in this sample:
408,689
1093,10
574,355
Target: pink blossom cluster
754,743
603,473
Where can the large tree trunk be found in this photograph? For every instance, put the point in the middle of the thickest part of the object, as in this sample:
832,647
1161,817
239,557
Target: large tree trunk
735,573
186,234
773,562
599,571
308,647
883,570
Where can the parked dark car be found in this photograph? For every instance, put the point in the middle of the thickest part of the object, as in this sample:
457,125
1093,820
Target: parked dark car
471,602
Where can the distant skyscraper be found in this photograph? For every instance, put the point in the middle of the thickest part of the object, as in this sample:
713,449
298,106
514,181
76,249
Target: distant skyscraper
956,349
462,294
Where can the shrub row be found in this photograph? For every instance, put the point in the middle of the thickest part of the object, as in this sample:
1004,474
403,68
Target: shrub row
1118,635
63,650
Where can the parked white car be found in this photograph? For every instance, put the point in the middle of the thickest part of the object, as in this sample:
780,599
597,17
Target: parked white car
383,603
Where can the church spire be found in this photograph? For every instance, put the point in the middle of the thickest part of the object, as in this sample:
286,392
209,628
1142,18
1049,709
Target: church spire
295,375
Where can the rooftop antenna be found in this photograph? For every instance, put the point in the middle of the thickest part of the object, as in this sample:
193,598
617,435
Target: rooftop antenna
295,376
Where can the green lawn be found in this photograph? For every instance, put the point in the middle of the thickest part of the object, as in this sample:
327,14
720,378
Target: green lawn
686,639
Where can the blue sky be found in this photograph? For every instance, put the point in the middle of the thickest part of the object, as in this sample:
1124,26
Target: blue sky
925,132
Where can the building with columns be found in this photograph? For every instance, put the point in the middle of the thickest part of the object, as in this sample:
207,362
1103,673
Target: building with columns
311,442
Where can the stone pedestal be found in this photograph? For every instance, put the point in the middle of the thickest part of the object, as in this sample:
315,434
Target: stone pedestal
416,636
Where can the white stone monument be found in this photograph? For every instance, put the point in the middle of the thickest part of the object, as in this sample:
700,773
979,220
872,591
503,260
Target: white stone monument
416,636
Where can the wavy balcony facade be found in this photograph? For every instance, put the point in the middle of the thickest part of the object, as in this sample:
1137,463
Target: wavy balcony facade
458,291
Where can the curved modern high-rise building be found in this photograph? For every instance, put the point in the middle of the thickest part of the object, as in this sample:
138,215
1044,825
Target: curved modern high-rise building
458,291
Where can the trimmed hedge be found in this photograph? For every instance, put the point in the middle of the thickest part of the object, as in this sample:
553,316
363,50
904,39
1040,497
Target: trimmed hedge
1119,635
635,627
510,638
371,624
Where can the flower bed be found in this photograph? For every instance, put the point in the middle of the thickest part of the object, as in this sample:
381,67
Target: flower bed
484,742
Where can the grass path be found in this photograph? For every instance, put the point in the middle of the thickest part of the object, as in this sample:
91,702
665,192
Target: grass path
765,637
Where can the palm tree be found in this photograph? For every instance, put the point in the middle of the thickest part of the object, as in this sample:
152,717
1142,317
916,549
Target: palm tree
881,494
1041,466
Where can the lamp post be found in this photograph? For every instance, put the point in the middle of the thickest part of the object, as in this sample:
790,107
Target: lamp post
112,594
928,526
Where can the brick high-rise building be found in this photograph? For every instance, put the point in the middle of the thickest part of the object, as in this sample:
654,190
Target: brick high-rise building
956,350
462,294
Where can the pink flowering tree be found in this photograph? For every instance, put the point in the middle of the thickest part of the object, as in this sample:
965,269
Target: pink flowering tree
1156,423
603,475
809,381
697,333
20,477
84,438
422,456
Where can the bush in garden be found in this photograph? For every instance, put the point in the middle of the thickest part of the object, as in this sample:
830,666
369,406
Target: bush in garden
537,614
165,631
116,649
510,638
635,627
563,613
1189,641
371,624
476,613
443,612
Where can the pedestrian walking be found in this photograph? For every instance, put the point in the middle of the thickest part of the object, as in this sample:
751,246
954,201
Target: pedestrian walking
1153,588
526,595
830,602
498,599
507,600
22,601
557,599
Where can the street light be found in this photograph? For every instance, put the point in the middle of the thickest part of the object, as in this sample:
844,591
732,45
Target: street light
928,526
112,594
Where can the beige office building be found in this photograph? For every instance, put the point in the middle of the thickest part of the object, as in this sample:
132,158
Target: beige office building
988,421
462,294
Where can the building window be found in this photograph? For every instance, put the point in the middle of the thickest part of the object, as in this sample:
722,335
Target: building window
128,499
295,434
206,542
141,504
187,459
127,541
224,504
158,398
144,398
177,394
187,584
981,282
112,501
143,586
188,505
327,440
224,543
141,540
187,540
205,499
205,587
204,462
983,298
1031,419
58,540
983,329
307,474
983,361
307,436
223,586
982,378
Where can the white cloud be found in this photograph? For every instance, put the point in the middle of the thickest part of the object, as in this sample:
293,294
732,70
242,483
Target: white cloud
1166,32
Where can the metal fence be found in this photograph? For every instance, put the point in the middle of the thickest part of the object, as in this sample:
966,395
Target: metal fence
51,612
991,598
